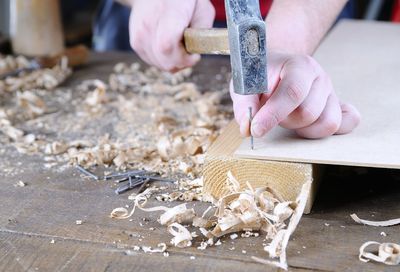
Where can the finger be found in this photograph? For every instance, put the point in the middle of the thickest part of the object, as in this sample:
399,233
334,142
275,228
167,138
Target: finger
312,107
327,124
297,77
168,49
137,31
241,105
204,15
350,119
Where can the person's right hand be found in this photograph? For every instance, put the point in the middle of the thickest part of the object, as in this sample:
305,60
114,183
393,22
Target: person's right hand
156,30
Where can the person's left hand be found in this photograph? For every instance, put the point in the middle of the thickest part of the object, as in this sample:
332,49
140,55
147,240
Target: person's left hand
301,98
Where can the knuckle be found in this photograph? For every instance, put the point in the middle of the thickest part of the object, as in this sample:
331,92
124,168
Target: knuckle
166,42
275,119
165,45
306,115
295,93
330,126
308,60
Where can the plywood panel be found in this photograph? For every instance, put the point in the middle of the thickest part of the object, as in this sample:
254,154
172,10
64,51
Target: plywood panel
363,60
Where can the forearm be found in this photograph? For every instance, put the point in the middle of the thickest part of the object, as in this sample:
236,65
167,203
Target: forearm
299,26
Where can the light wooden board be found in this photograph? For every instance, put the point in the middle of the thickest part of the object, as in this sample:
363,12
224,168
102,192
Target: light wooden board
363,60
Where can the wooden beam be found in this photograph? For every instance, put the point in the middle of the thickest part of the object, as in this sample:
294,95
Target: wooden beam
287,178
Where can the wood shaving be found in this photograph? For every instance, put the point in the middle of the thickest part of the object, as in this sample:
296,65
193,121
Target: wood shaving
386,223
181,236
283,238
31,103
20,184
161,247
47,78
98,95
388,253
234,236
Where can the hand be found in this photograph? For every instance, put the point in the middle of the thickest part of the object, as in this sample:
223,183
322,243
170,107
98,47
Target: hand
301,98
156,30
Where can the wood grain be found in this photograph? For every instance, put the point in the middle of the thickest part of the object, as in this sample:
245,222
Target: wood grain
207,41
363,60
286,178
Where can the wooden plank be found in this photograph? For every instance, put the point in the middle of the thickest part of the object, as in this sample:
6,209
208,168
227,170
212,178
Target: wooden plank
362,59
286,178
23,253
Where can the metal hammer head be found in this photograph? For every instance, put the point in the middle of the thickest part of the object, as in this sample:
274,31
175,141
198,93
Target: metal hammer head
247,42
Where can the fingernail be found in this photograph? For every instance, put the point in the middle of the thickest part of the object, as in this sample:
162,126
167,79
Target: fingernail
257,130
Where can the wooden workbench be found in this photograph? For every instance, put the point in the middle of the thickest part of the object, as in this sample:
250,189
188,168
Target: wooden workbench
38,230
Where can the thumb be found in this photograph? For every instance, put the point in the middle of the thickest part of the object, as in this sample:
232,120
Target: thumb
241,105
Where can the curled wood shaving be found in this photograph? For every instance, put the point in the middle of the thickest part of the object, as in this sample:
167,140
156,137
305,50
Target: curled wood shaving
98,95
280,241
120,213
139,201
179,214
161,247
182,237
10,131
388,253
31,103
232,182
386,223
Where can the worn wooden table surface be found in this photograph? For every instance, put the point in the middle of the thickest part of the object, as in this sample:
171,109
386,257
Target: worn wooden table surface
46,210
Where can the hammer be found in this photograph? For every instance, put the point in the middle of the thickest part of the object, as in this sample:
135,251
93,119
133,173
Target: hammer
244,40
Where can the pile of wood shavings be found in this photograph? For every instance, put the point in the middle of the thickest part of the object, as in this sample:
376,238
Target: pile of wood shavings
138,119
48,78
259,209
387,253
182,125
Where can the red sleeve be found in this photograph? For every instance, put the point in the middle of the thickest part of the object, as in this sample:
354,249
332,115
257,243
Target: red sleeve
220,8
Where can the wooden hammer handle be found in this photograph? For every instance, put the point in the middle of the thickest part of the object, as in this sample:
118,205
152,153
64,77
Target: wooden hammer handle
206,41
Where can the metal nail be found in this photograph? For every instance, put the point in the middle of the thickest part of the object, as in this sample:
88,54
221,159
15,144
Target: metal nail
250,120
143,186
87,173
124,174
129,186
